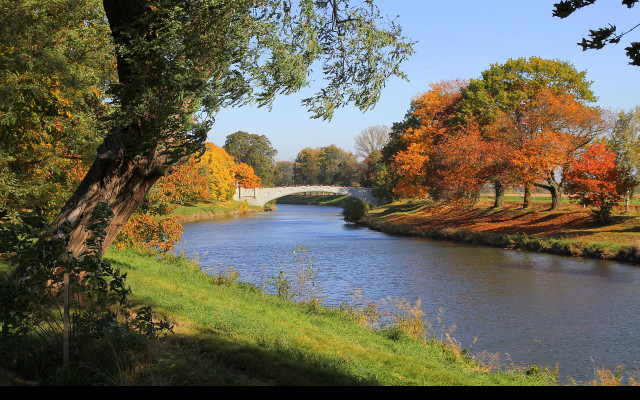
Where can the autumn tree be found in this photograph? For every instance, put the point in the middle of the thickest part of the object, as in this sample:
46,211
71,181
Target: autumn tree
602,36
219,169
371,139
179,62
534,108
210,178
246,177
254,150
56,60
596,179
441,155
379,174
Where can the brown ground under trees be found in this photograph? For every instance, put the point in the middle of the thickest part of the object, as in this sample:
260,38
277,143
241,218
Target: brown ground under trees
571,221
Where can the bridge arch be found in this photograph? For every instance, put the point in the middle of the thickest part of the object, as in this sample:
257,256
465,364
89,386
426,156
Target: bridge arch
261,196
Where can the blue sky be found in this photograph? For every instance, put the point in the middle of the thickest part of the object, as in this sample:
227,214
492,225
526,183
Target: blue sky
456,39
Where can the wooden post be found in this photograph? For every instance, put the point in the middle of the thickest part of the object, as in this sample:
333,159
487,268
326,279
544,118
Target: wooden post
65,329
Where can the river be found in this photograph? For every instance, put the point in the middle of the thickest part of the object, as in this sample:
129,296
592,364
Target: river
530,308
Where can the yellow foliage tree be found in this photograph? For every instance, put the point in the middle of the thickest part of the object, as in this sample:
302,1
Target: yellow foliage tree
218,169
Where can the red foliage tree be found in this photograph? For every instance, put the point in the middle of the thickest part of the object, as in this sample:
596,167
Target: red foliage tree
596,180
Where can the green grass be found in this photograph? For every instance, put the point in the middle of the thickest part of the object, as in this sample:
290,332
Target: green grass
211,210
234,334
316,200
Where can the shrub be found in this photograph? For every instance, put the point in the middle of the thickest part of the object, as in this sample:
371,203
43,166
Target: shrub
355,210
150,234
56,297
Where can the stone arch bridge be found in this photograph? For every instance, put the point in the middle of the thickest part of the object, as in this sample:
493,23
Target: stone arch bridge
260,196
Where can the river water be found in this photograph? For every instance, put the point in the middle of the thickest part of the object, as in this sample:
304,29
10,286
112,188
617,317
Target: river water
530,308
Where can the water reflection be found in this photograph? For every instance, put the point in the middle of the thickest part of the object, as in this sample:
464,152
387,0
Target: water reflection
540,309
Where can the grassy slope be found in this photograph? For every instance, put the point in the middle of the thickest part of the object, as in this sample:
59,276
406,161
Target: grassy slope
211,210
227,334
316,200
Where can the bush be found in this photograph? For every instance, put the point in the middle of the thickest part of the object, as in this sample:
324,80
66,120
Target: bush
150,233
58,297
355,210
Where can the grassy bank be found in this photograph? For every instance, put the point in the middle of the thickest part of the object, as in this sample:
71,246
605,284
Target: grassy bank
570,231
314,199
203,211
229,333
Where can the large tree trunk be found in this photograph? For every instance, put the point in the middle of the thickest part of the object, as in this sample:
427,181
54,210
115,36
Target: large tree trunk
120,180
555,189
528,189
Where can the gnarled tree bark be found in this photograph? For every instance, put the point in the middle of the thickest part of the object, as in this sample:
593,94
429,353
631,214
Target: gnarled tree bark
118,179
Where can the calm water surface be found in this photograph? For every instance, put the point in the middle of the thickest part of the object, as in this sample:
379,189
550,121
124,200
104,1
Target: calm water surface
531,308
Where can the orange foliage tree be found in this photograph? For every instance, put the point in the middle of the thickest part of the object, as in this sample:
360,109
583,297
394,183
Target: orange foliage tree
596,179
443,156
537,109
246,177
541,137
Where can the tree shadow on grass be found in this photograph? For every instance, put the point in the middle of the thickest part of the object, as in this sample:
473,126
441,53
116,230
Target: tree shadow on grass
402,209
213,360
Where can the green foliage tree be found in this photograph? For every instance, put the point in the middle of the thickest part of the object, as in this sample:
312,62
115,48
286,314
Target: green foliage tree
377,177
306,169
333,162
602,36
328,165
179,62
284,173
254,150
625,141
352,172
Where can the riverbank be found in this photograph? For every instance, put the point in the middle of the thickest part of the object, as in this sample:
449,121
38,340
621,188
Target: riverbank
314,200
229,333
570,231
204,211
